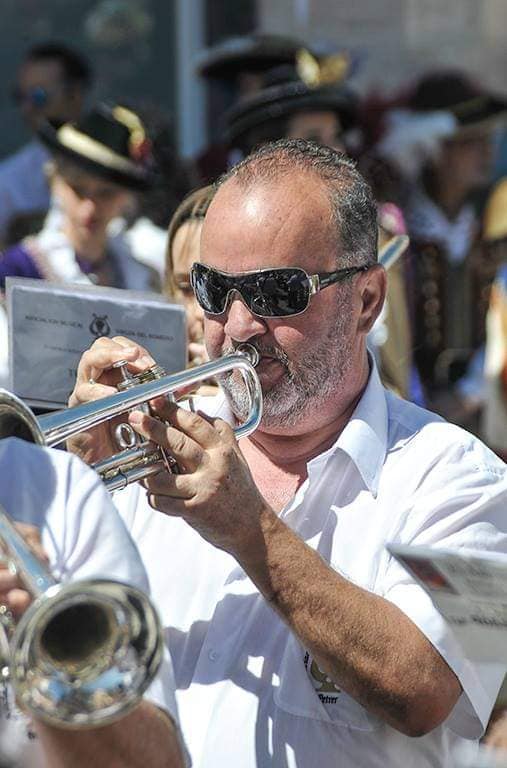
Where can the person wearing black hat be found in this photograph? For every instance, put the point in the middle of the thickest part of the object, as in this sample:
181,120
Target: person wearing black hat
308,101
242,60
96,165
236,68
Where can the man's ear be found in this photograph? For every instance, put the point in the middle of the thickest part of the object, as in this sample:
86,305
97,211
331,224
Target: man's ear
372,290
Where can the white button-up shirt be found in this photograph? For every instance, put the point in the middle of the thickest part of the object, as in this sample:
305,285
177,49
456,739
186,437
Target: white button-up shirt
248,692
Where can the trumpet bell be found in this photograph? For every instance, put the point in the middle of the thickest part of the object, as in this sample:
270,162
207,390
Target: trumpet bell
84,653
17,420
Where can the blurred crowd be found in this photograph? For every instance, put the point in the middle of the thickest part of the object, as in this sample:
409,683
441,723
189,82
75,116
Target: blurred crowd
99,195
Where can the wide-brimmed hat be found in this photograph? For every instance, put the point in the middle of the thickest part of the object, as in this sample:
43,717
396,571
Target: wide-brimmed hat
251,53
472,106
316,85
109,141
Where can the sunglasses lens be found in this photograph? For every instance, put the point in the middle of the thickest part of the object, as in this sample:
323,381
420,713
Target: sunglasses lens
211,288
268,293
280,293
38,97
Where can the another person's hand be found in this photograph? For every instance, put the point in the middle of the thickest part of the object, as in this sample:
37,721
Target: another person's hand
197,354
214,492
13,593
496,734
96,379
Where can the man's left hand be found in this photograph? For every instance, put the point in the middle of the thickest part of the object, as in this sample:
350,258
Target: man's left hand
214,492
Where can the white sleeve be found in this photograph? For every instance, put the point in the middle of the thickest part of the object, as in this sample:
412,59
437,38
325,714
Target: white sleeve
470,515
82,533
91,539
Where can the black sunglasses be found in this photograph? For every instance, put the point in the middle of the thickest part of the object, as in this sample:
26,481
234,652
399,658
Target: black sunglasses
37,96
276,292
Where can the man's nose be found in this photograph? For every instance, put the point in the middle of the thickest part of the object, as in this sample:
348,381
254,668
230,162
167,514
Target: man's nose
241,323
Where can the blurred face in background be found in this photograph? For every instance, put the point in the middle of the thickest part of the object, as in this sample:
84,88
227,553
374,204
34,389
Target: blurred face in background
248,84
322,127
88,202
468,159
184,251
43,92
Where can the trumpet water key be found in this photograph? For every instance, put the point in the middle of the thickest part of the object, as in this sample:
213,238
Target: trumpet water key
84,652
137,458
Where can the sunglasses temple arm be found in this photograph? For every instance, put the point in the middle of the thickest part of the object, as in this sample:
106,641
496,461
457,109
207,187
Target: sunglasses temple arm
335,277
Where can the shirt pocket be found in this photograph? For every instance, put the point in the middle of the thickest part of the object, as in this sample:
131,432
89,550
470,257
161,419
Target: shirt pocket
304,691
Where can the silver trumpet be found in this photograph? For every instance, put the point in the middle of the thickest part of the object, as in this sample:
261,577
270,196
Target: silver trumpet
83,653
137,458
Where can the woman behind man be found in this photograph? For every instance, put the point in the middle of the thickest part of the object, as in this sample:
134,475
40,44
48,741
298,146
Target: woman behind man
183,242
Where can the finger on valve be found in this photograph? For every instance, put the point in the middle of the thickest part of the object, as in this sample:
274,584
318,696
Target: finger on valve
97,366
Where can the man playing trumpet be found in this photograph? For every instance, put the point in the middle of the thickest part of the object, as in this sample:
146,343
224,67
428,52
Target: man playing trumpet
296,639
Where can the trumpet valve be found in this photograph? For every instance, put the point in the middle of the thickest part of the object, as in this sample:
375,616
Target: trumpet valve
133,379
125,436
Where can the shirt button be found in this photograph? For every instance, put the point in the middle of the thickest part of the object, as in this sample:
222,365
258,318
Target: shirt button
213,655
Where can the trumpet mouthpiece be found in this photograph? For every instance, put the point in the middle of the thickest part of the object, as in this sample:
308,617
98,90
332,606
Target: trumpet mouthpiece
250,352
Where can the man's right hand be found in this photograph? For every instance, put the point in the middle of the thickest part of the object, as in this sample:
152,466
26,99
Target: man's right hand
96,379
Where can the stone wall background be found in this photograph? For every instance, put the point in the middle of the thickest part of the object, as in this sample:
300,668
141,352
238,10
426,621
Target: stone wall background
398,39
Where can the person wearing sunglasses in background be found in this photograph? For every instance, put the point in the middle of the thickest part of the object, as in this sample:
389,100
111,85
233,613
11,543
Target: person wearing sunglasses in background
296,639
51,84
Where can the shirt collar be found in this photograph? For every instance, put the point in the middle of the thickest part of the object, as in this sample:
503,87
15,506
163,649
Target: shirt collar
364,438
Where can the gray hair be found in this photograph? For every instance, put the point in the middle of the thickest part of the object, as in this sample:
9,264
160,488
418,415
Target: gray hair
353,208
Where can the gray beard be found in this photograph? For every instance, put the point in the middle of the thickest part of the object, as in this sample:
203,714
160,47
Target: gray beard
305,383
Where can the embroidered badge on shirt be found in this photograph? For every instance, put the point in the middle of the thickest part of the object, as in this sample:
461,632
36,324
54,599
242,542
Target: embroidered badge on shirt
326,690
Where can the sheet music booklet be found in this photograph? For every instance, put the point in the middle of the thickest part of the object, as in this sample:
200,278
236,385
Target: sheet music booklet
469,589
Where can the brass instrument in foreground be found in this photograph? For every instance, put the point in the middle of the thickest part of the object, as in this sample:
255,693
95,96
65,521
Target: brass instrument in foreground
137,458
83,653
